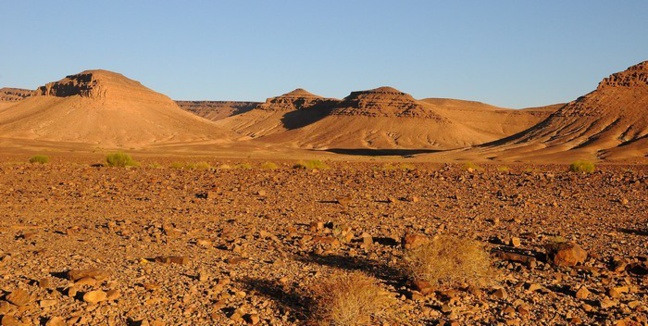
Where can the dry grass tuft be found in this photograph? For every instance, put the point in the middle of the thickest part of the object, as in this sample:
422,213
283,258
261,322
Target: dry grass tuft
449,261
349,299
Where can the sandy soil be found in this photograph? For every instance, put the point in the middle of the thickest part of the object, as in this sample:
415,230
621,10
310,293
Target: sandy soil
244,249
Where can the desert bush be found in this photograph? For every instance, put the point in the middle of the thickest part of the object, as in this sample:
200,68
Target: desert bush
155,165
582,166
448,261
310,165
349,299
471,166
120,159
41,159
269,166
177,165
503,168
202,166
245,166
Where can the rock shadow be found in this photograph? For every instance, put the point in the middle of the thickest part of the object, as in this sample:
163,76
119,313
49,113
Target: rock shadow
298,304
303,117
633,231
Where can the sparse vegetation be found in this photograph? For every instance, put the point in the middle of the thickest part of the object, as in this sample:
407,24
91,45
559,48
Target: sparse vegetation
470,166
269,166
40,159
245,166
155,165
582,166
349,299
202,166
503,168
177,165
402,166
310,165
448,261
120,159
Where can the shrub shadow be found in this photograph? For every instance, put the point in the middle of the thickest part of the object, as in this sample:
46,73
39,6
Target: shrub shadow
299,304
376,269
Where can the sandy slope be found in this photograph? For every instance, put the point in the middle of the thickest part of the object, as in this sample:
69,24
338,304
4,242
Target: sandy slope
107,109
386,118
608,123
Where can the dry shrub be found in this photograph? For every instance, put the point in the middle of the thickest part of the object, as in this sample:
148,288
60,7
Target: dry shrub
349,299
448,261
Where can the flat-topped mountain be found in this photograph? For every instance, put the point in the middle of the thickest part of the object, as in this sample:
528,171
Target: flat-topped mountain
278,114
383,102
104,108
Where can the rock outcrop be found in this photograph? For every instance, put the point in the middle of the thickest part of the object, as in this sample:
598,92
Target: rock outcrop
14,94
383,102
298,99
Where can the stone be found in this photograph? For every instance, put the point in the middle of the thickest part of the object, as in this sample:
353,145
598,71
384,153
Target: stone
97,274
412,241
500,294
423,286
94,297
535,287
10,321
518,258
47,303
607,303
616,292
56,321
566,254
6,308
19,297
582,293
113,295
515,242
180,260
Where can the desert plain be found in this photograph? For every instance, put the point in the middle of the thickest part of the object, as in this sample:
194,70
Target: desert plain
242,212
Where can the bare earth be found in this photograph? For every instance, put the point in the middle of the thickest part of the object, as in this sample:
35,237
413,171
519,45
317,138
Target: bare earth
245,247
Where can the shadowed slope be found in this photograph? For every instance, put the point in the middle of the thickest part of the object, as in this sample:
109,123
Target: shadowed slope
610,122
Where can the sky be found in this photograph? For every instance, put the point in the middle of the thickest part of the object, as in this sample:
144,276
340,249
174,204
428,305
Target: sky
507,53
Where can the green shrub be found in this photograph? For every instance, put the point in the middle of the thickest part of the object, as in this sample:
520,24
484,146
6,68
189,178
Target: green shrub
269,166
503,168
202,166
120,159
582,166
310,165
41,159
245,166
177,165
470,166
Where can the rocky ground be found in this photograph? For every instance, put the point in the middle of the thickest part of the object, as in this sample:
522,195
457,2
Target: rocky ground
84,245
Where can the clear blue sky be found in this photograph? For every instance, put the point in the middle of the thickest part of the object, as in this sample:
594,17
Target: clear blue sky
506,53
